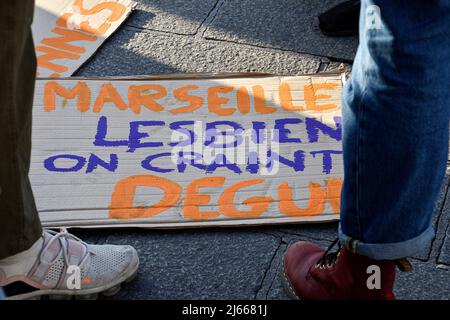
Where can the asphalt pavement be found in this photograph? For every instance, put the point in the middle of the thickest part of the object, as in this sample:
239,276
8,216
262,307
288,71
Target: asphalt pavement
280,37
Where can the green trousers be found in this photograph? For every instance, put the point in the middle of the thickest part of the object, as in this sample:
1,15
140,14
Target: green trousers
19,221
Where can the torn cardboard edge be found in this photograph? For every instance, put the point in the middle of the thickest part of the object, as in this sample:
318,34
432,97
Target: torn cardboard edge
198,76
132,8
68,33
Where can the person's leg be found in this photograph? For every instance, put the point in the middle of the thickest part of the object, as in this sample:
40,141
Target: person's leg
19,221
395,108
34,262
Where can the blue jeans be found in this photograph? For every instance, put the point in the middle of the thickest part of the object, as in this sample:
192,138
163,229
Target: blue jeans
2,295
396,112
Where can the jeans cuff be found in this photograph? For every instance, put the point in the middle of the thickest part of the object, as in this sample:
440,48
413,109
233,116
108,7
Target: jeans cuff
390,251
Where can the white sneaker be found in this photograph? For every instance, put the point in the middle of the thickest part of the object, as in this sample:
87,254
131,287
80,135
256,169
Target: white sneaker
60,265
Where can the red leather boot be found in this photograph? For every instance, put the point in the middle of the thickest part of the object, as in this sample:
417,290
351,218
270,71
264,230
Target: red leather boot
313,273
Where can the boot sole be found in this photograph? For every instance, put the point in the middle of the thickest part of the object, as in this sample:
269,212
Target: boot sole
89,294
287,285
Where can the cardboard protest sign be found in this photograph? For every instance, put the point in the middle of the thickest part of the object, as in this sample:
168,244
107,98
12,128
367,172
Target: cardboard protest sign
187,151
67,32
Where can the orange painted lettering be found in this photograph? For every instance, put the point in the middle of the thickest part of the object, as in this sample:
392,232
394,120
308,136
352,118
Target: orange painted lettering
116,12
260,101
68,36
50,54
145,95
193,199
311,96
121,206
243,100
258,205
108,94
80,91
334,187
215,101
286,98
182,95
316,203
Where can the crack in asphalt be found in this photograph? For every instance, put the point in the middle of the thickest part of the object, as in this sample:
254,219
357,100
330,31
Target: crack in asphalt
131,26
446,232
306,236
269,267
282,248
206,39
435,248
209,18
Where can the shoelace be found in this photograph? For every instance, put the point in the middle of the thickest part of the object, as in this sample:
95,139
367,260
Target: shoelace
63,237
329,258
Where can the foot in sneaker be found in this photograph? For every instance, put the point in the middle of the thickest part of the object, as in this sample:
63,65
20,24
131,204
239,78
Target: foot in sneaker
60,265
